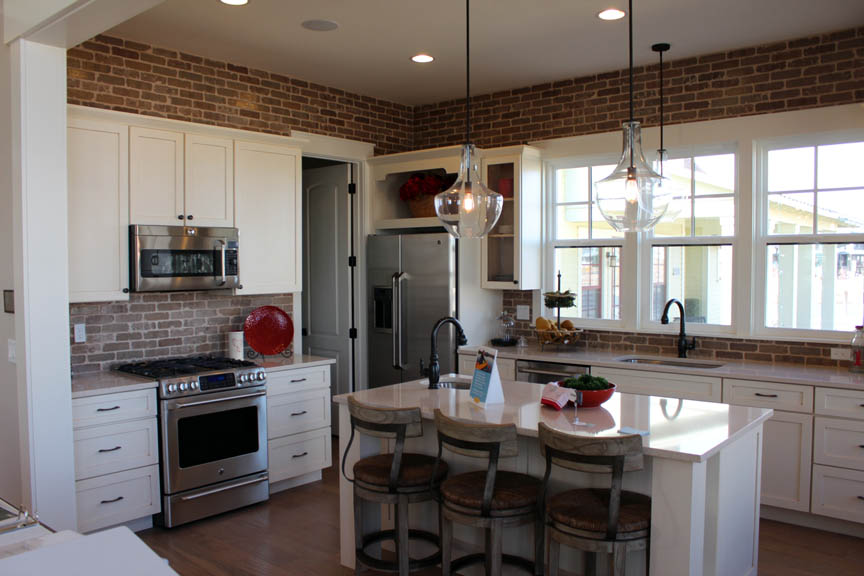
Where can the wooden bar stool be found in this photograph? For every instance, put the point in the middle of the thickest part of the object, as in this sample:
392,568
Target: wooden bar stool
399,478
490,499
609,521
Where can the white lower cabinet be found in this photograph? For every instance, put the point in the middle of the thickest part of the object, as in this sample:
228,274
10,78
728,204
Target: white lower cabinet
116,458
786,461
298,424
506,366
838,492
671,385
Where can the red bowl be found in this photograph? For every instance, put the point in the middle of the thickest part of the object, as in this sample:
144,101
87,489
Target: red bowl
594,398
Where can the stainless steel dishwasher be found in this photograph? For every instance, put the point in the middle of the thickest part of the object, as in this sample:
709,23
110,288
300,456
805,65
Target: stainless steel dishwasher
543,372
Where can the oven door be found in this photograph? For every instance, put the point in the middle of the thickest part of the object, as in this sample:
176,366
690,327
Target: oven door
211,438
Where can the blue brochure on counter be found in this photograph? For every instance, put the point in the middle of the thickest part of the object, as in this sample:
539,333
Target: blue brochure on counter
486,384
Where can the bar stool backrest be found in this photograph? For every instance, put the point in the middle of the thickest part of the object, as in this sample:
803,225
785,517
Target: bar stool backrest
478,440
609,455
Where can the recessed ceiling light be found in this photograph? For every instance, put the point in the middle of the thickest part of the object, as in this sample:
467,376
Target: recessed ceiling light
422,58
235,2
320,25
611,14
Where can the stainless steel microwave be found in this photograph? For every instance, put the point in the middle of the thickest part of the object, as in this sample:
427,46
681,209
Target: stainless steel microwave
170,258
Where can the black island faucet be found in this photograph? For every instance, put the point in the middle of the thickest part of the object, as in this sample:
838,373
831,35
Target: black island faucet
434,370
683,344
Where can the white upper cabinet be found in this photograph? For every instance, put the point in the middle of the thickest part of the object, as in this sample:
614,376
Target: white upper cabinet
98,187
156,177
269,217
209,181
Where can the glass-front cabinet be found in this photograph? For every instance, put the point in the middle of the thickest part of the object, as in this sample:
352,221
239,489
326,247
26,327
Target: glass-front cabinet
511,253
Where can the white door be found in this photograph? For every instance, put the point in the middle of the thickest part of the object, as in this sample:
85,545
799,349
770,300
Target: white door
156,177
268,213
98,166
326,278
209,181
787,450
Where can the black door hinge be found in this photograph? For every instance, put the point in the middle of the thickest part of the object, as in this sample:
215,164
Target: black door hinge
352,333
352,261
352,188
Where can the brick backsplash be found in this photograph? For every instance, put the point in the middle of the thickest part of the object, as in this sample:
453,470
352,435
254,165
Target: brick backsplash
780,351
108,72
811,72
159,325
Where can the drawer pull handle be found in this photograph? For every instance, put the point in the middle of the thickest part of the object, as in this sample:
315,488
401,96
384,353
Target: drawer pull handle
860,497
298,380
861,446
107,409
298,413
765,395
103,450
117,499
300,455
861,405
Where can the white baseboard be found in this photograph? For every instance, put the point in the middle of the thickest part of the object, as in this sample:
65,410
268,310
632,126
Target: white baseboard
812,521
294,482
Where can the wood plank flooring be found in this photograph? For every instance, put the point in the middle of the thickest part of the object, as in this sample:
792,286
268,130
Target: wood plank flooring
296,533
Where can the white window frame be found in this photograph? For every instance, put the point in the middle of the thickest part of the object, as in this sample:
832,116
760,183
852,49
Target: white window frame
763,239
626,246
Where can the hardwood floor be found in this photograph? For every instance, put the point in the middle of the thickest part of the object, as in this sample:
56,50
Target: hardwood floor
296,533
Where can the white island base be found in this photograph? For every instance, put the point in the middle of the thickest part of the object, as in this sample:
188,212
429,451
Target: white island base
702,471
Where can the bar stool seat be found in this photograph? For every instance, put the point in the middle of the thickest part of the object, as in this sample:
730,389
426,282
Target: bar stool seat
588,510
416,471
513,491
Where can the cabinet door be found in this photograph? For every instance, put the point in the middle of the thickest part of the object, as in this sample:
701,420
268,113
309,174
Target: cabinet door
209,173
500,256
269,217
156,177
98,169
786,461
670,385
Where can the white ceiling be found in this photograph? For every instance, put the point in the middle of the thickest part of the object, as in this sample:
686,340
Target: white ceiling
514,42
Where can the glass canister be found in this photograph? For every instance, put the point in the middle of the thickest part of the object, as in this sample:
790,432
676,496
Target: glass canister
857,350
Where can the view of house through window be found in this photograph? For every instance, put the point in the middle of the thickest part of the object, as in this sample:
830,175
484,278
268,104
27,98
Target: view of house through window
814,223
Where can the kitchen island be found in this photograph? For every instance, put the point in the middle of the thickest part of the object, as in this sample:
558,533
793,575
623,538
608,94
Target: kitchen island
702,469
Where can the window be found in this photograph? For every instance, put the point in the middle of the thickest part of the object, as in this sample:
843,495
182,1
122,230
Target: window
585,250
812,234
691,249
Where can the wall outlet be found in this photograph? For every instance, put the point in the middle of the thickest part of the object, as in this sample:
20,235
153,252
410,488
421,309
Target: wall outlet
523,312
840,354
12,352
80,333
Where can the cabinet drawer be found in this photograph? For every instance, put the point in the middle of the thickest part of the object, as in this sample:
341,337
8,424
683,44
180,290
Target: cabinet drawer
839,442
663,384
115,447
95,410
838,492
286,381
293,413
788,397
115,498
299,454
843,403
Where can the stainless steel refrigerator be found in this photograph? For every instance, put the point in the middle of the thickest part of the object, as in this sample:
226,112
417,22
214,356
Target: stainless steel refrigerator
411,281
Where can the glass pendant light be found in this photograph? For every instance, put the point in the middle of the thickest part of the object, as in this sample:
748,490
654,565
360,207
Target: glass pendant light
468,209
632,198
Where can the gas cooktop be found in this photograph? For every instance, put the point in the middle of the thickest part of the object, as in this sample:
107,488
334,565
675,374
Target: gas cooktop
173,367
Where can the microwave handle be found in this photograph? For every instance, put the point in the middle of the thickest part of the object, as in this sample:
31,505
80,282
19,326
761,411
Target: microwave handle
222,251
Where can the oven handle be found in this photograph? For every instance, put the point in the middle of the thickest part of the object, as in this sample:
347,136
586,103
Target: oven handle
214,401
224,488
222,248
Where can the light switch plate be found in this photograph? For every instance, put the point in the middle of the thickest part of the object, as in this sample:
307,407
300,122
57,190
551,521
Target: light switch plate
523,312
80,333
840,354
12,352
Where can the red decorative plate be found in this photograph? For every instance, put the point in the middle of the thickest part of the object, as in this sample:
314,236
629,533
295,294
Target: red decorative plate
268,330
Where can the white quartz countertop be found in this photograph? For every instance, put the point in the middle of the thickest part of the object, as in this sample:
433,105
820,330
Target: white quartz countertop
759,371
99,383
676,429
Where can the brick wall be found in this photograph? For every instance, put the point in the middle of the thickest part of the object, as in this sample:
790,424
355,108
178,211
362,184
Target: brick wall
812,72
122,75
159,325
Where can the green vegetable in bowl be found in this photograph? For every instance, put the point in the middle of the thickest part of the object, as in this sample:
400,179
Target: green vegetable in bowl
587,382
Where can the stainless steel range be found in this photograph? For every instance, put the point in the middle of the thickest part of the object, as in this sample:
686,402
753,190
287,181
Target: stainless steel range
213,435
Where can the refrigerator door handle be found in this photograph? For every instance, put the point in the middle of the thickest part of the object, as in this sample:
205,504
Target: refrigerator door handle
396,316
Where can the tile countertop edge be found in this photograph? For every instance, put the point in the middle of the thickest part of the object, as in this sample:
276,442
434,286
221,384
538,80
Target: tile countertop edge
754,371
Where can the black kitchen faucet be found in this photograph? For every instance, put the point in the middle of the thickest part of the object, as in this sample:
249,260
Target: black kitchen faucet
683,344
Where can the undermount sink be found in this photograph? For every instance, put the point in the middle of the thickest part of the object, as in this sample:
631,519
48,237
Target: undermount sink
680,362
454,382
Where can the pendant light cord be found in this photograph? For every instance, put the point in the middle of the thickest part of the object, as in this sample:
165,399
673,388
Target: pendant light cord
468,71
630,21
662,148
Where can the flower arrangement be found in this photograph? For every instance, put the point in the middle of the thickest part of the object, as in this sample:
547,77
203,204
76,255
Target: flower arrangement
419,185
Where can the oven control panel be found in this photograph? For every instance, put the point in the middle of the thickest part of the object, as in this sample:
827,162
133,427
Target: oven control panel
211,382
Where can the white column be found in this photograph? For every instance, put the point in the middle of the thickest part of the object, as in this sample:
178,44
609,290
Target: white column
38,74
678,498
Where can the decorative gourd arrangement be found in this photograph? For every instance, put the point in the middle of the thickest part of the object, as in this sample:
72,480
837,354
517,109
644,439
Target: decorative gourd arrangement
556,331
